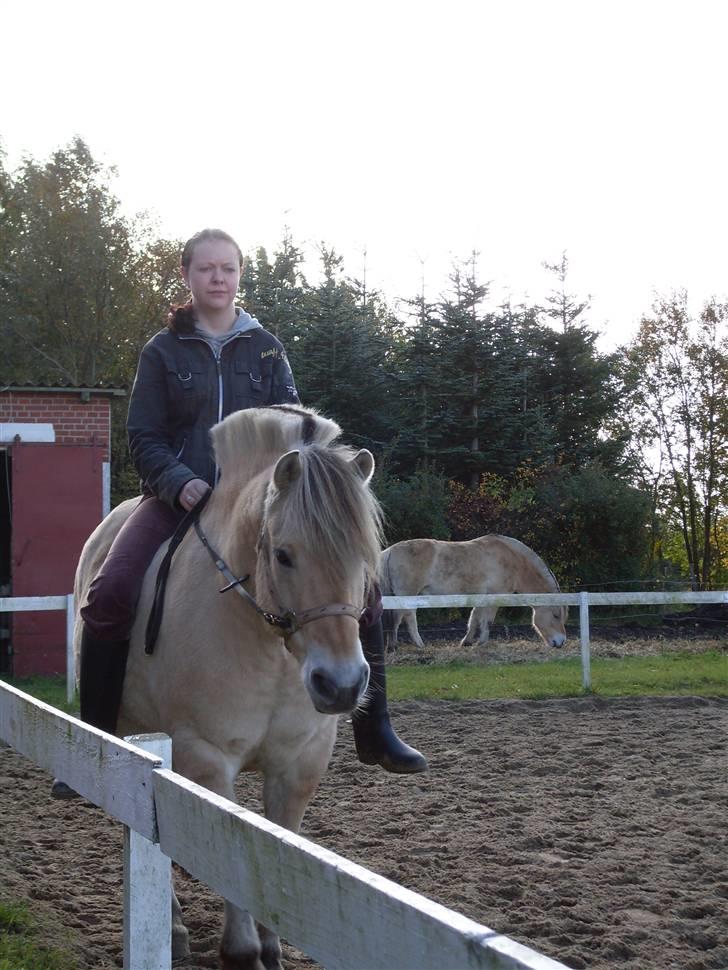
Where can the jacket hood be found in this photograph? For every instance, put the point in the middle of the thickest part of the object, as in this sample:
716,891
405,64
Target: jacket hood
243,323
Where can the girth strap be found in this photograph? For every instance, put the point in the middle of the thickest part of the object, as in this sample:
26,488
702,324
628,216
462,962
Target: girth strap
155,614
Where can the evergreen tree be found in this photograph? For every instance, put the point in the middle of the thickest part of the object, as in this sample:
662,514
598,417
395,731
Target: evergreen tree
275,292
574,384
417,390
341,356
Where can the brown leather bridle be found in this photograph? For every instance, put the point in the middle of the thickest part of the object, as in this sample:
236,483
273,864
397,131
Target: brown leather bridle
288,622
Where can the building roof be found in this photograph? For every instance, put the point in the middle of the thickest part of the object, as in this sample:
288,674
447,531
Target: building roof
57,388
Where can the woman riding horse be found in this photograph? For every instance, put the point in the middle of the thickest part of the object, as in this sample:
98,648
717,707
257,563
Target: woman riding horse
213,359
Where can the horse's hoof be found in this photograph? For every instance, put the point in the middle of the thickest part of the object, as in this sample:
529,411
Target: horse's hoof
228,961
271,957
59,789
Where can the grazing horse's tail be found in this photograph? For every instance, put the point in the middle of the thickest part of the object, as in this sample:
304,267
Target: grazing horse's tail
385,577
385,581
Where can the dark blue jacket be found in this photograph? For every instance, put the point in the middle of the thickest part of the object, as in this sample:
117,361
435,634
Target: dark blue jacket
182,389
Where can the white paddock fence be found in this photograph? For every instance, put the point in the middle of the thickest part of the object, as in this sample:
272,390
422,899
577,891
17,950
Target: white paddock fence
582,600
339,913
37,604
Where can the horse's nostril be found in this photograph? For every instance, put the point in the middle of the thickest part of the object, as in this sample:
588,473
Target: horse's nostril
324,686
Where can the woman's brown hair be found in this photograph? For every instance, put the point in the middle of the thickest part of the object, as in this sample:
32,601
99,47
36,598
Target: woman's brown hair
181,316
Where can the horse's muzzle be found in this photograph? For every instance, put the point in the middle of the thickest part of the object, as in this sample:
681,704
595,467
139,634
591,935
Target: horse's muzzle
330,696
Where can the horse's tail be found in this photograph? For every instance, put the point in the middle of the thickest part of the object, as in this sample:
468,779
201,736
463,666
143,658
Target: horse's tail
385,580
385,575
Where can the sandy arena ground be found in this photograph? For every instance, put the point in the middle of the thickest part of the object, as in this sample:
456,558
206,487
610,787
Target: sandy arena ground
591,830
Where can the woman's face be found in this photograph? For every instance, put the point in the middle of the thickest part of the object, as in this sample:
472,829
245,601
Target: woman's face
213,275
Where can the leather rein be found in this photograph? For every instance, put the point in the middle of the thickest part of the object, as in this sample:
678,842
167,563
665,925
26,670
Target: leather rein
287,623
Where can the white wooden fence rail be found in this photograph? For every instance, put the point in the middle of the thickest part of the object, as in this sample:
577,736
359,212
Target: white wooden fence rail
582,600
339,913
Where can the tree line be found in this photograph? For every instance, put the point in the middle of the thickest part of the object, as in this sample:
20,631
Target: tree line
613,466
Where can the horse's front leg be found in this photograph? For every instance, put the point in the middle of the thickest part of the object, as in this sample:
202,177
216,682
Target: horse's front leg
286,793
201,762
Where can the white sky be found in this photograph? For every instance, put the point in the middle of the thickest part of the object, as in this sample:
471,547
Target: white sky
418,131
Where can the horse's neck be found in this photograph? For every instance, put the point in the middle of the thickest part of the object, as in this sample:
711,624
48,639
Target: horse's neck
232,522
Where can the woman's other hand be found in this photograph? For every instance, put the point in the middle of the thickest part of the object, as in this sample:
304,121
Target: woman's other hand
191,493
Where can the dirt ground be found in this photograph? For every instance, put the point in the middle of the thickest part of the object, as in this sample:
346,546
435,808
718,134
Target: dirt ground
591,830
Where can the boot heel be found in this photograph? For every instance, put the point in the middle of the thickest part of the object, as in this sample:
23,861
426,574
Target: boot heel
60,790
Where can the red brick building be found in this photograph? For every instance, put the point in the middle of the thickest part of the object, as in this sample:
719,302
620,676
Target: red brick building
54,489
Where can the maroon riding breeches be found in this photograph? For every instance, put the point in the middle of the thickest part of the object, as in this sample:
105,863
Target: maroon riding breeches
113,595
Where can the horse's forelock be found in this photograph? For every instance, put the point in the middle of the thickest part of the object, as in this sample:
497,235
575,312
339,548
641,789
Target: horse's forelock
328,503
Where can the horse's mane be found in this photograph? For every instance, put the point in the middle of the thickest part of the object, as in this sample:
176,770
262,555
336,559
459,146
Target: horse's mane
326,501
247,441
533,558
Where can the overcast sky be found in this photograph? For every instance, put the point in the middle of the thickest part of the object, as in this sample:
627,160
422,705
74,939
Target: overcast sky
414,131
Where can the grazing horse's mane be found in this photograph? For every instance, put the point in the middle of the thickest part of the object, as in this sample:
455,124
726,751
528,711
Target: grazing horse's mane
533,558
326,501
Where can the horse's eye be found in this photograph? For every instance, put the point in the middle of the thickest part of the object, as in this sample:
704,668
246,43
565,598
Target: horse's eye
283,558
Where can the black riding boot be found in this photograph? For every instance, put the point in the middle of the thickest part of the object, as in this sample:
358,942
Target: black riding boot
375,738
103,665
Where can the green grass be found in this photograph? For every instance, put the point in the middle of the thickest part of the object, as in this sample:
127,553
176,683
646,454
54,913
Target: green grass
681,673
19,950
676,673
51,690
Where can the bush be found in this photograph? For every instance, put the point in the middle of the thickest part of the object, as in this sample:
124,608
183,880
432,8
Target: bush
414,507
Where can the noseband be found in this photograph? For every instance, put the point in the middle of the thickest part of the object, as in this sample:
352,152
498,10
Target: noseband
287,623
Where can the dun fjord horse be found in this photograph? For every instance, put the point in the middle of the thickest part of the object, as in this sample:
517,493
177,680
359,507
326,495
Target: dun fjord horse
293,511
490,564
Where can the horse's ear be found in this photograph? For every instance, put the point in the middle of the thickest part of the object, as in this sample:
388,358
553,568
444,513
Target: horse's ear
287,470
363,461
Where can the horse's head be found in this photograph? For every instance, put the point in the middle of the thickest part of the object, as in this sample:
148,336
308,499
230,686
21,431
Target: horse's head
317,552
550,623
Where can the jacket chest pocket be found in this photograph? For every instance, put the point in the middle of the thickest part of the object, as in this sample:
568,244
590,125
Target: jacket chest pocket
187,391
251,385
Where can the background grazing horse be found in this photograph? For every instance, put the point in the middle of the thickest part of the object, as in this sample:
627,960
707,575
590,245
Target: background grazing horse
490,564
294,512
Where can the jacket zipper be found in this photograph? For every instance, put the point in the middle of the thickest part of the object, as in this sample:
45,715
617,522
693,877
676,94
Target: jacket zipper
218,364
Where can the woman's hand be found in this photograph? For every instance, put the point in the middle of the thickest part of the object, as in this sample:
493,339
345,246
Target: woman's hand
191,493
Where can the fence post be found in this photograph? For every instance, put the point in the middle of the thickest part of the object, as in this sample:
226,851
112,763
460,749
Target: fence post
70,664
147,885
584,638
